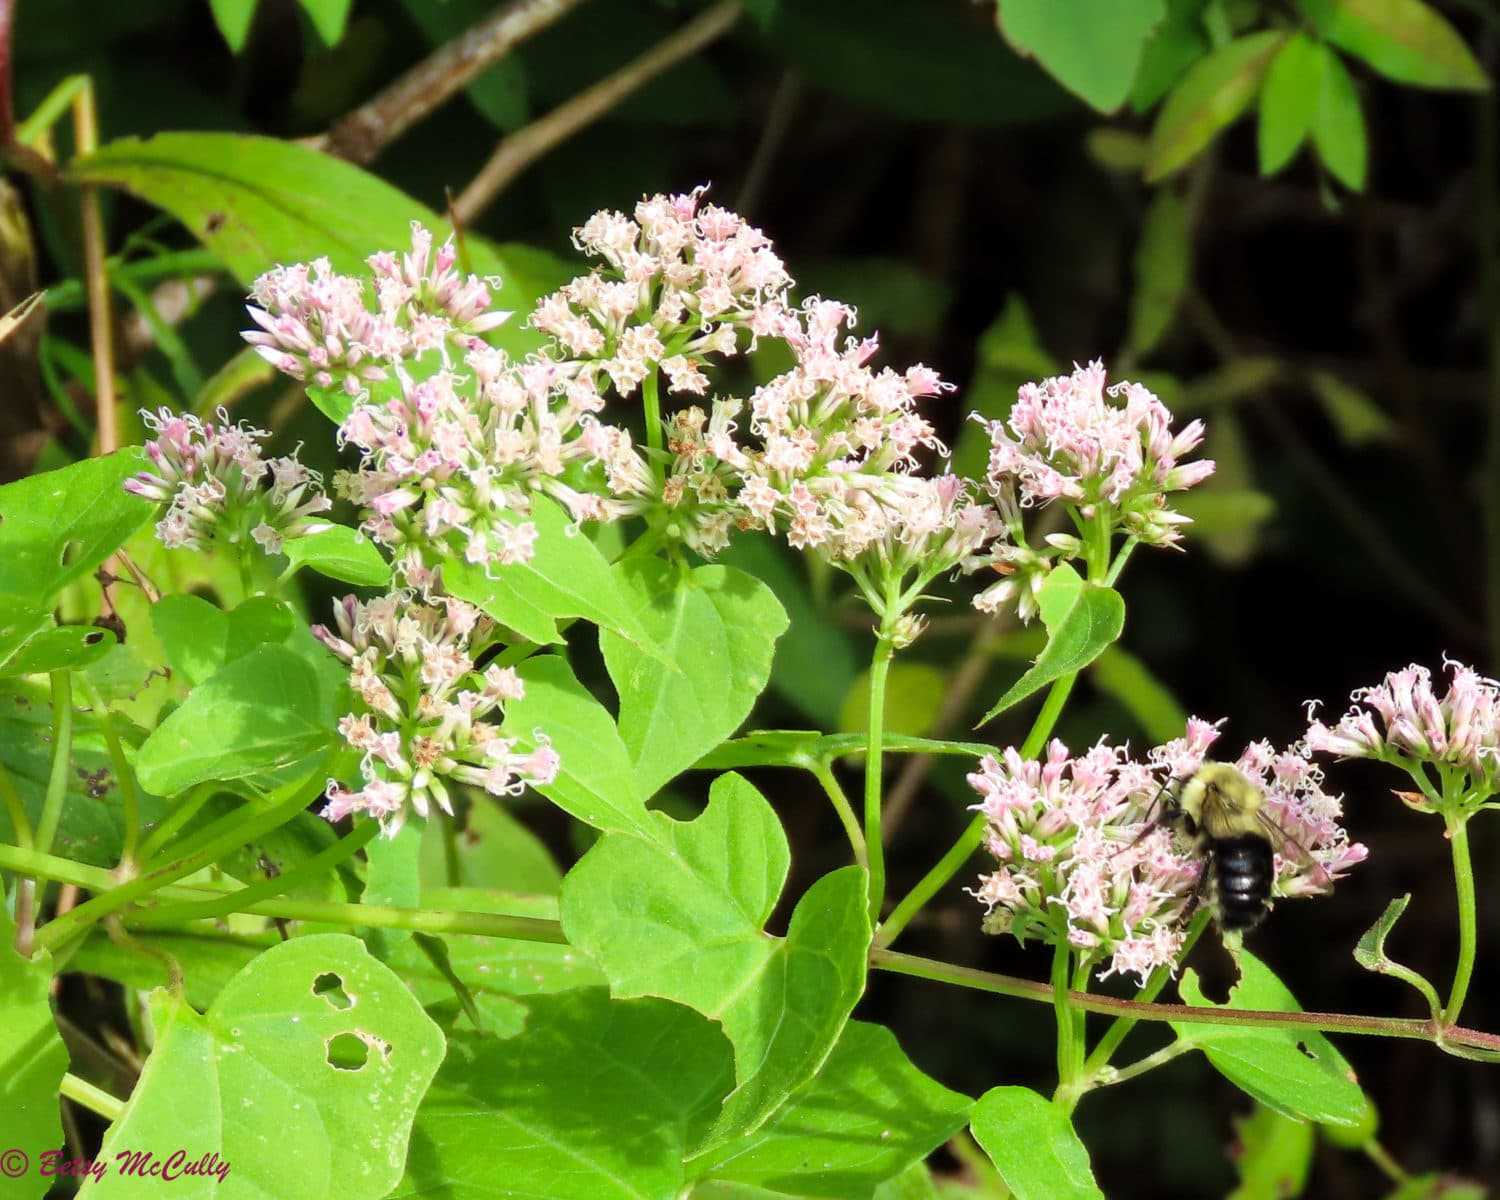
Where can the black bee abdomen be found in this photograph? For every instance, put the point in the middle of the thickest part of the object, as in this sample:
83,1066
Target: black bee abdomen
1243,870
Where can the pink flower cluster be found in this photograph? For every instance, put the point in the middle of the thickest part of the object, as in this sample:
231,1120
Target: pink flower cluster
678,283
1402,720
218,487
451,463
316,325
1083,861
1106,454
425,713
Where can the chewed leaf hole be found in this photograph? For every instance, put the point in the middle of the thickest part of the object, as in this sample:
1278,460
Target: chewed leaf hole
1302,1046
331,988
347,1052
70,552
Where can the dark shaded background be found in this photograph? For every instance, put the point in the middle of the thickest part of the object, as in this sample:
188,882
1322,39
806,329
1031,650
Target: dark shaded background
923,173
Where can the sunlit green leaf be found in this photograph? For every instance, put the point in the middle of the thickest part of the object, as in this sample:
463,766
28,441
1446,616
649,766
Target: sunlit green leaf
1081,618
1033,1145
303,1077
340,553
714,631
1292,1069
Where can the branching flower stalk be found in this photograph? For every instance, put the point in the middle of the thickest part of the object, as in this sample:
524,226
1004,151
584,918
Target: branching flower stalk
1450,748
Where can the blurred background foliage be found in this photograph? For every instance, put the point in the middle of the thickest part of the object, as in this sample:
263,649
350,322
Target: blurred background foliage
1281,215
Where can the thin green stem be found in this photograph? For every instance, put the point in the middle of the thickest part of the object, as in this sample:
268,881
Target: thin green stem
421,920
1120,1029
186,810
960,852
1141,1065
880,667
86,1095
1120,560
130,802
132,945
1062,1009
15,809
822,771
651,400
1046,720
315,867
250,825
1378,1155
1450,1039
1463,878
62,752
929,885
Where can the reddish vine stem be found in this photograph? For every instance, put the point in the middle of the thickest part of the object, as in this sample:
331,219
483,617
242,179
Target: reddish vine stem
1456,1036
359,136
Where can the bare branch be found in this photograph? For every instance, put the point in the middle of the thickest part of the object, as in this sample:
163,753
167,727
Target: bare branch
361,135
525,146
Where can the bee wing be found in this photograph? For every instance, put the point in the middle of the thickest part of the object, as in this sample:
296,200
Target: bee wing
1288,846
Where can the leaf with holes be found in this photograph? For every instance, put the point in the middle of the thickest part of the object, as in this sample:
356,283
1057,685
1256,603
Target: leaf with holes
300,1081
64,648
58,526
678,910
1292,1069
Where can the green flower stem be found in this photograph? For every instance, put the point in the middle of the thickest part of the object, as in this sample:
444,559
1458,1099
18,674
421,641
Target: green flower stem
130,801
960,852
1378,1155
1120,1029
15,809
96,1100
1121,559
651,400
928,886
530,929
880,667
1452,1039
1463,878
822,771
132,945
1067,1030
1046,720
246,828
421,920
315,867
1141,1065
187,808
62,753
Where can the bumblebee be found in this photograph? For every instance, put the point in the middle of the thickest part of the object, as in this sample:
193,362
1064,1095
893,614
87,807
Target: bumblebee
1220,808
